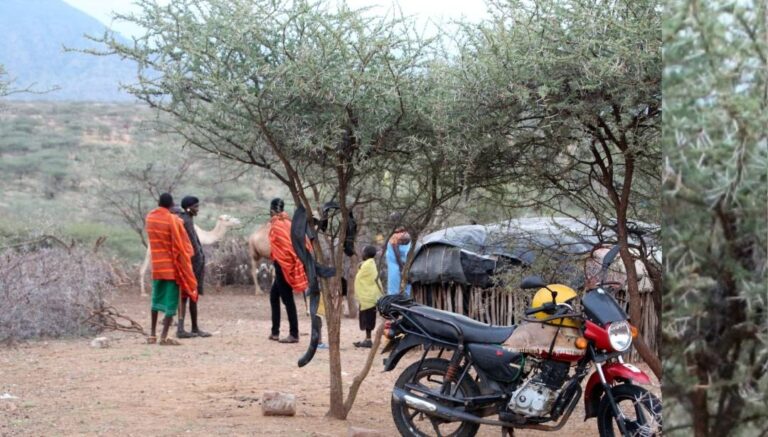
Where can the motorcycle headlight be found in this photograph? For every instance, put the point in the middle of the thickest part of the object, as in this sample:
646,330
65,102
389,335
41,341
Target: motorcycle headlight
620,336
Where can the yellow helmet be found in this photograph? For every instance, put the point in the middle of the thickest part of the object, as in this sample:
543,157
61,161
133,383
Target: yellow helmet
564,295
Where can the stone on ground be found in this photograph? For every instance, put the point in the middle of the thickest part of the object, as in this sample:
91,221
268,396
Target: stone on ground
100,342
278,404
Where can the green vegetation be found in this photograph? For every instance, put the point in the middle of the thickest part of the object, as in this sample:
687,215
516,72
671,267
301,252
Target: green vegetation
560,97
60,161
715,224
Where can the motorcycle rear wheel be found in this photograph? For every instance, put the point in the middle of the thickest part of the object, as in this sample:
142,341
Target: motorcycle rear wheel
413,423
641,407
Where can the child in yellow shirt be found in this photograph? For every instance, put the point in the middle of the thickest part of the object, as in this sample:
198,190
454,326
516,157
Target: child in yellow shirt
367,292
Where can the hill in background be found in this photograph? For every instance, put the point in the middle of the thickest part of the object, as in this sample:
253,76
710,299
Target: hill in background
35,33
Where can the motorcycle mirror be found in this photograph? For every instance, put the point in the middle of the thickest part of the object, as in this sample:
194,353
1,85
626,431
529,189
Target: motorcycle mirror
530,282
554,296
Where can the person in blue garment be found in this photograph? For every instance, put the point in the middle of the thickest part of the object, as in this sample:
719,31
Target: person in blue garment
397,252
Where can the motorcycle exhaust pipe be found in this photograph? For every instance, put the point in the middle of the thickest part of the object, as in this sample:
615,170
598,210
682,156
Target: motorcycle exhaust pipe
432,409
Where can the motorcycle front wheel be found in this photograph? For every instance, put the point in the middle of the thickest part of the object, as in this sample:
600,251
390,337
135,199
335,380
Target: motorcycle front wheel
641,409
430,376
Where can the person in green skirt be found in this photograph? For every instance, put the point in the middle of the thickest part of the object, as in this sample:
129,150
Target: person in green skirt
172,274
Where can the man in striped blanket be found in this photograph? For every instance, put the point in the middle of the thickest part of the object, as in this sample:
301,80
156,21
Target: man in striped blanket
290,276
172,272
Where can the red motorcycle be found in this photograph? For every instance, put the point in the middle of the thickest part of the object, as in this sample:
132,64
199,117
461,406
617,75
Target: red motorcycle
523,376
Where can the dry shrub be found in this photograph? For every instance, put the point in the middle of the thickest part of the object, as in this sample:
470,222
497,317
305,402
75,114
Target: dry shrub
51,292
228,263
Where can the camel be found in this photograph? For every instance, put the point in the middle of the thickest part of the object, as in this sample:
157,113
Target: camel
259,249
223,223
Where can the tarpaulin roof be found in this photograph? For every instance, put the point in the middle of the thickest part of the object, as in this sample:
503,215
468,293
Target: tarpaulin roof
469,254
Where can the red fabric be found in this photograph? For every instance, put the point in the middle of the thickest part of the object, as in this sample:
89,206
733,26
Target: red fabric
171,250
283,253
399,235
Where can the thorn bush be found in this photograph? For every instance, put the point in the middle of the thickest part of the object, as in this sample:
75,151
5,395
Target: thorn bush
51,292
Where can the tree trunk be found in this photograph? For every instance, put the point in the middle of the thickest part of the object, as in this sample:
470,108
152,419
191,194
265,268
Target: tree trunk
355,387
333,317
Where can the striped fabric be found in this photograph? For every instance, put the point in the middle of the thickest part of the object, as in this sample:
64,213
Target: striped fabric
283,253
171,250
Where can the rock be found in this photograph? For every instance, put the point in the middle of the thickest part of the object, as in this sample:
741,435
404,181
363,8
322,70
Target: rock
363,432
278,404
100,342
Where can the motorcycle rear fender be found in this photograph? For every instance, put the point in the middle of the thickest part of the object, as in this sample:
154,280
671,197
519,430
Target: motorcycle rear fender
613,372
403,345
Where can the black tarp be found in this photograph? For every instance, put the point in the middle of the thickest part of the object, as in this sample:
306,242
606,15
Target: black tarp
471,254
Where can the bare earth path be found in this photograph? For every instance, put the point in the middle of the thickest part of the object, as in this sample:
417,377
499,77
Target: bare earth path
207,386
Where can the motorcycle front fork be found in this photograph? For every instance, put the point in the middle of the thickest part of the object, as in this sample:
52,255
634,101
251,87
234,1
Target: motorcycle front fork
617,414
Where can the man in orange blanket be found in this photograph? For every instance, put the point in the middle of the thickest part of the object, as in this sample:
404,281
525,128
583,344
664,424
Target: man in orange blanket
171,265
289,273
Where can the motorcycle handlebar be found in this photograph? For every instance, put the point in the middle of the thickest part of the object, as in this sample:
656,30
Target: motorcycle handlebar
546,307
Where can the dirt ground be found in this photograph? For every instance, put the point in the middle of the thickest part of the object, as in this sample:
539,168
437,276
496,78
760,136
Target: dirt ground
208,386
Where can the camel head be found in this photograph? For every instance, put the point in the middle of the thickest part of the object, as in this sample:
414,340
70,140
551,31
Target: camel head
228,220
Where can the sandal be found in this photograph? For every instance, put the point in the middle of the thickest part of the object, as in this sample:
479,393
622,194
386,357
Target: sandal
151,339
168,342
200,333
184,334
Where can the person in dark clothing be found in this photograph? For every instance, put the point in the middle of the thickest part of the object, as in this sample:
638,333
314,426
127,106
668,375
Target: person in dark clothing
190,206
290,276
282,291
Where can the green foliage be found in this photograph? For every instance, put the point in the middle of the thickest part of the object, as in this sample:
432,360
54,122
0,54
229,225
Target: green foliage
55,159
573,87
715,195
338,104
120,242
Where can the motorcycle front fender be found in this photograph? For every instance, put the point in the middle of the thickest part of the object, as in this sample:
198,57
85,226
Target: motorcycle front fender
400,347
613,372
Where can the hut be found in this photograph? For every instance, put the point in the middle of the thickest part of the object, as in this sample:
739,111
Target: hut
475,269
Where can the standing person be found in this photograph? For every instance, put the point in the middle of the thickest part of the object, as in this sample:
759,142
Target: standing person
171,254
367,292
397,251
190,206
289,273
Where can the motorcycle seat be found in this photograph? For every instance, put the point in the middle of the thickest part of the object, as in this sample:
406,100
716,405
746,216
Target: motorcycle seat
474,331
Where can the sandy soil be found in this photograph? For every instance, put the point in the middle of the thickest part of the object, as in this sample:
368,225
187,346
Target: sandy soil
207,386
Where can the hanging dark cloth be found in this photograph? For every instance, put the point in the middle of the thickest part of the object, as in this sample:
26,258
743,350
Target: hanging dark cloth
300,230
330,208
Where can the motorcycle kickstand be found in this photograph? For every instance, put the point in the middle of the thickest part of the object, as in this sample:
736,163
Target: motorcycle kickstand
507,432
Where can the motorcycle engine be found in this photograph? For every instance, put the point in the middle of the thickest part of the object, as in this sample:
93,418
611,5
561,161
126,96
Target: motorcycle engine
536,396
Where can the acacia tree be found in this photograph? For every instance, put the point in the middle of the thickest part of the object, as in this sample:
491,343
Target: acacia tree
131,188
328,101
575,88
716,216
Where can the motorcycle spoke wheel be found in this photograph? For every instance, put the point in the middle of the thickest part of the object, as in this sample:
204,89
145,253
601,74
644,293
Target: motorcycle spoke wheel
641,412
436,427
429,377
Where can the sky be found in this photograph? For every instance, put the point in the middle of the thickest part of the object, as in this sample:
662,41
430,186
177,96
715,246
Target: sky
424,10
